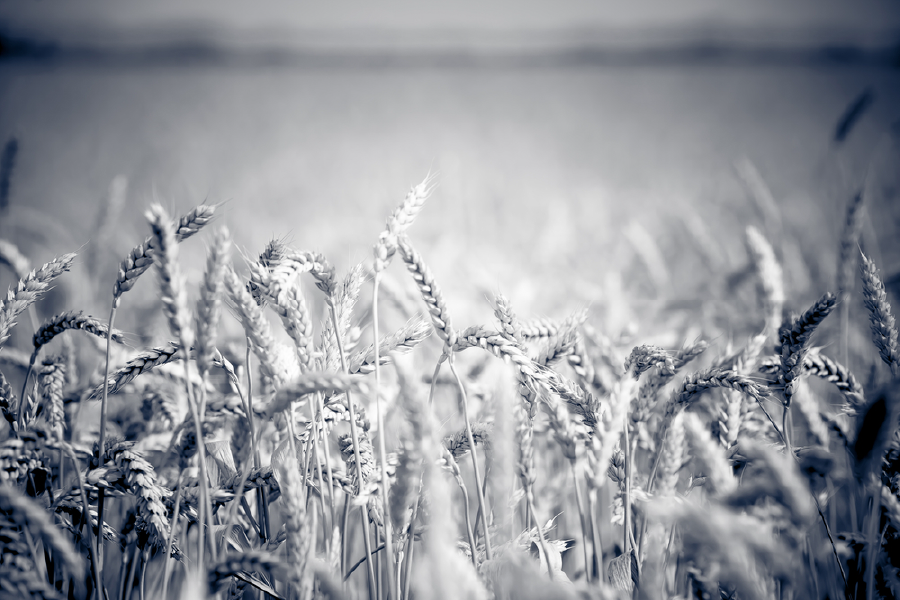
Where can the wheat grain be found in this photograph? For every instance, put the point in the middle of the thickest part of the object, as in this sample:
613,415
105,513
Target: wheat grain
824,367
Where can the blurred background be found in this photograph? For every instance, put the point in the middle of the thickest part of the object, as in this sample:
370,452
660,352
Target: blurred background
587,153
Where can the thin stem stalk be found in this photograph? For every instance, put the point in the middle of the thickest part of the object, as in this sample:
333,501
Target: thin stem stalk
478,489
354,437
379,416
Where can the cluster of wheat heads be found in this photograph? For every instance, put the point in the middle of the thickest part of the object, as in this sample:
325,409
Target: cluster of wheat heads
409,467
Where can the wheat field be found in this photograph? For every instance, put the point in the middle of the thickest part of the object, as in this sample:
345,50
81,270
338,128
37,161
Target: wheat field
359,440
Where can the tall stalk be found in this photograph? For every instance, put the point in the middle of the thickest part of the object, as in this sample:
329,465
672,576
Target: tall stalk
379,416
354,437
478,489
104,404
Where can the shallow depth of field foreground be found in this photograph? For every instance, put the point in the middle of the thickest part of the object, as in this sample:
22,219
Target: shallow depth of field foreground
280,428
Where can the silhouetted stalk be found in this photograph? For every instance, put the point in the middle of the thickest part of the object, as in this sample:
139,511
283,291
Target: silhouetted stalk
354,438
481,505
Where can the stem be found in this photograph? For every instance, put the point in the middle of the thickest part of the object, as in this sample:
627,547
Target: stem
786,432
588,563
410,546
345,537
780,433
379,416
86,513
595,533
831,539
355,439
481,505
23,404
206,504
317,449
362,560
261,501
167,570
412,521
537,524
872,544
627,499
104,406
469,531
129,583
327,455
145,556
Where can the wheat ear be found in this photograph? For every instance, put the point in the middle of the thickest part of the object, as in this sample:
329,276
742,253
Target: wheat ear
884,328
770,277
28,290
141,256
209,305
256,328
645,357
401,342
795,336
69,321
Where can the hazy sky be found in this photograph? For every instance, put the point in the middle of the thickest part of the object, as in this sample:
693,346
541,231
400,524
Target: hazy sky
861,21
